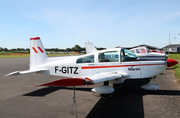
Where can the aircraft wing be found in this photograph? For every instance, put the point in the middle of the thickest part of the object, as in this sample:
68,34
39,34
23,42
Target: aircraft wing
87,80
97,78
25,72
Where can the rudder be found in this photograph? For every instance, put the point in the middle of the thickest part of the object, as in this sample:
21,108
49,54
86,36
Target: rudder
38,54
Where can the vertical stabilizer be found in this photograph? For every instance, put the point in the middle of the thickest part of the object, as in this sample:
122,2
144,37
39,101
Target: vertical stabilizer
90,48
38,54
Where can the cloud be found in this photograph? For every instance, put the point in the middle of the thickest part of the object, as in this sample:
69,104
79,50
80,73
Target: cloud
107,21
171,16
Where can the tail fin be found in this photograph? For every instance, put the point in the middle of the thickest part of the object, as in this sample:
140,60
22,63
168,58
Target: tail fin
90,48
38,54
38,57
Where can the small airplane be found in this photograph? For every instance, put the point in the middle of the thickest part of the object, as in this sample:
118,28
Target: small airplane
141,52
144,52
110,65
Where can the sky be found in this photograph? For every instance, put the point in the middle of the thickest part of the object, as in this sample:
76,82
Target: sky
107,23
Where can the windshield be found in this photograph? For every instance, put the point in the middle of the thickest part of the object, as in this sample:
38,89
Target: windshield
127,55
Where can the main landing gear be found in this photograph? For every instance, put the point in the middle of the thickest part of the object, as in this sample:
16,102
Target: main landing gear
106,84
151,86
105,90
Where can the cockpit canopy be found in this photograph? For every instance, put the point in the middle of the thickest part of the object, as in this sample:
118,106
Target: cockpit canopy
116,55
127,55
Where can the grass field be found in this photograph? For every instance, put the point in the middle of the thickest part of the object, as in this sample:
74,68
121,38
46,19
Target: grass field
12,56
12,52
20,55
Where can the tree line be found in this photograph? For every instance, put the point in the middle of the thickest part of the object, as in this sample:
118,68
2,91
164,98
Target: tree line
76,48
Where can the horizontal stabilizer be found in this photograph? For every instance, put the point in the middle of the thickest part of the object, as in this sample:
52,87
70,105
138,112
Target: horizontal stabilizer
24,72
13,73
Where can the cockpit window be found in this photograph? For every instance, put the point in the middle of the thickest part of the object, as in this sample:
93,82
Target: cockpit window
110,56
127,55
142,50
137,50
148,51
87,59
133,51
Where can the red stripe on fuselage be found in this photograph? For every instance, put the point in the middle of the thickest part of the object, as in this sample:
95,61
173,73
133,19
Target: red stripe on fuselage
115,66
40,49
34,50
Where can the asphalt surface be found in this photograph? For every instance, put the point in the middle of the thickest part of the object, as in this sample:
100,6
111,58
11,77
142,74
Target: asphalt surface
20,99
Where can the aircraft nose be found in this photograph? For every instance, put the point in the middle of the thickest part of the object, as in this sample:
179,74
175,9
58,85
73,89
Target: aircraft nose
171,62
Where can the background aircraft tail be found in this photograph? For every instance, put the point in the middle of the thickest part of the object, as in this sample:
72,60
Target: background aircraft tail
90,48
38,54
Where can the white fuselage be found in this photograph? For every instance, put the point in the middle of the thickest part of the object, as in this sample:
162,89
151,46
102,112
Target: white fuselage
111,60
112,65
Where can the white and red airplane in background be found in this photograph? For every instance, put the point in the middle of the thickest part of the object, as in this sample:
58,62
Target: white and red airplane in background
114,65
143,52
